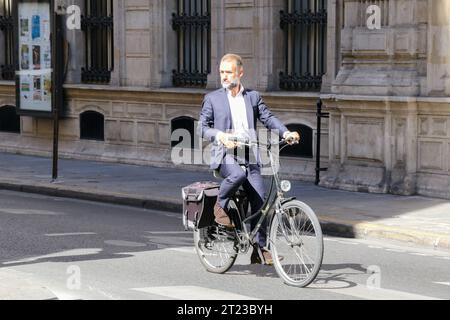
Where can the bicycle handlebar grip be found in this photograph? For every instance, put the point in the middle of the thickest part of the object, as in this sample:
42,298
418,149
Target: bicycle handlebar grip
239,140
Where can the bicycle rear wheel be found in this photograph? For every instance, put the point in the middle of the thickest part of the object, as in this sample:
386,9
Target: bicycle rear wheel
216,249
296,243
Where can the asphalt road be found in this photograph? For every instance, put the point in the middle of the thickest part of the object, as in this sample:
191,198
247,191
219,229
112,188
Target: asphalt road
86,250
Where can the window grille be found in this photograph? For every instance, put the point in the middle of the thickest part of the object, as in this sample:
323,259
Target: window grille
304,23
192,22
98,26
7,69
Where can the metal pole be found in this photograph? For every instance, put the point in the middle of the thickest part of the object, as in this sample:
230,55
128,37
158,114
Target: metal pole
55,143
320,115
319,132
58,100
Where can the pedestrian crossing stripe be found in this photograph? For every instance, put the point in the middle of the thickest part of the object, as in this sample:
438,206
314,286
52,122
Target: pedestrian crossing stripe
193,293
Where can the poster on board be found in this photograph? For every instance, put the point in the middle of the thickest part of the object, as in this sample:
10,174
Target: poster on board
35,59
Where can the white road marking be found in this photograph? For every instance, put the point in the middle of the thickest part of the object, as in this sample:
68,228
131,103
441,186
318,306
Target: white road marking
348,243
69,253
193,293
364,292
16,285
169,232
71,234
420,254
122,243
396,250
182,250
443,283
30,212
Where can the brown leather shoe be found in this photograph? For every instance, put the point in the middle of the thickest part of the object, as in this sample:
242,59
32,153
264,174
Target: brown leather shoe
221,216
262,255
268,260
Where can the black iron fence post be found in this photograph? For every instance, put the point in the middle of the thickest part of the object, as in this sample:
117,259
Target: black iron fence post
320,115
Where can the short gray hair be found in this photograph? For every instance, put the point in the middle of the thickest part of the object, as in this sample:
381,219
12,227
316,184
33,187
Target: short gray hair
233,57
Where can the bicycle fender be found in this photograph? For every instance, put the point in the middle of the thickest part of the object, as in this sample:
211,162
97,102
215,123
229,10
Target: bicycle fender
288,200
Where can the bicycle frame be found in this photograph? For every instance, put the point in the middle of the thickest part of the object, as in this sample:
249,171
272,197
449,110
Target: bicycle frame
275,199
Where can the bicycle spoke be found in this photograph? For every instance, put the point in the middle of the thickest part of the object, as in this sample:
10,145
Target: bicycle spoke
216,250
297,237
301,259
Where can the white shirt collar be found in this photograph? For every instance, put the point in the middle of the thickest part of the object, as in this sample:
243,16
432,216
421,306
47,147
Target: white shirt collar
239,93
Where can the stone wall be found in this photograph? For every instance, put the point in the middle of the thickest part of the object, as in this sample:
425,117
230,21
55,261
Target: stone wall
385,89
388,132
433,161
138,125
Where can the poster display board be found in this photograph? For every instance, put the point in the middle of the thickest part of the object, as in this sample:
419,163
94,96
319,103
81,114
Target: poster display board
34,65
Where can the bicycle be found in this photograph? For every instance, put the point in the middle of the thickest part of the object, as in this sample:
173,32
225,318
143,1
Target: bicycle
294,234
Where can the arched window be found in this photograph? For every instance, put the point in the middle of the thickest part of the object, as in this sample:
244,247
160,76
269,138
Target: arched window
305,148
92,126
187,124
9,120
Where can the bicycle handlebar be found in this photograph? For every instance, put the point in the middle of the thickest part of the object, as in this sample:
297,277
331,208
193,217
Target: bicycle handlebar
247,142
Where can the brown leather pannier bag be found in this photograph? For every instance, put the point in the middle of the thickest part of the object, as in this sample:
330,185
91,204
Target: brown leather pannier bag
198,204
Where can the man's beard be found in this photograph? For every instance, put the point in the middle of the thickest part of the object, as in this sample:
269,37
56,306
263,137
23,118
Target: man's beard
231,85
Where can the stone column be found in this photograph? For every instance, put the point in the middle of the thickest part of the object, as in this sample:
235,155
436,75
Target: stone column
269,41
77,47
438,75
382,61
217,42
118,37
250,29
163,43
333,43
137,67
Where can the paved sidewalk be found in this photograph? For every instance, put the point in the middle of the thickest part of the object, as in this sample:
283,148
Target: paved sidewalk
416,220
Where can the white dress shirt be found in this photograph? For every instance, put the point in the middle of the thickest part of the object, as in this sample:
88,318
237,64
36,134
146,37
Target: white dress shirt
239,115
238,112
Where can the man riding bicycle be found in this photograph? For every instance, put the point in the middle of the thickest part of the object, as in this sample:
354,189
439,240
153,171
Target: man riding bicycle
229,112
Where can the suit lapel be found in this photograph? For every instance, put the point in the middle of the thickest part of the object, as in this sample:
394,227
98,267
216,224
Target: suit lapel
249,107
251,123
227,110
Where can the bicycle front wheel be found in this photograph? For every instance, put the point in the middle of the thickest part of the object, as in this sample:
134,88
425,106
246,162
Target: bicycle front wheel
216,249
296,243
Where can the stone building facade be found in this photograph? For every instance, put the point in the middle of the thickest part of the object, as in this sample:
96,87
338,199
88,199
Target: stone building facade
387,90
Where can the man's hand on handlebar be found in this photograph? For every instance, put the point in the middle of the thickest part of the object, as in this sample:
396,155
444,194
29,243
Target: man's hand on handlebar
292,137
226,140
231,141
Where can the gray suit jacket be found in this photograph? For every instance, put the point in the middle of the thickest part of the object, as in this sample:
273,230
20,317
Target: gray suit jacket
215,117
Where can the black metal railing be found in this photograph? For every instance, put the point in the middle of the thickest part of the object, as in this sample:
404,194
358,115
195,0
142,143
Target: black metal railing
7,27
98,26
192,22
304,23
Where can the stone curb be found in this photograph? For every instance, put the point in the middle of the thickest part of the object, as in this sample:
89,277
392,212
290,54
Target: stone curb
330,225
